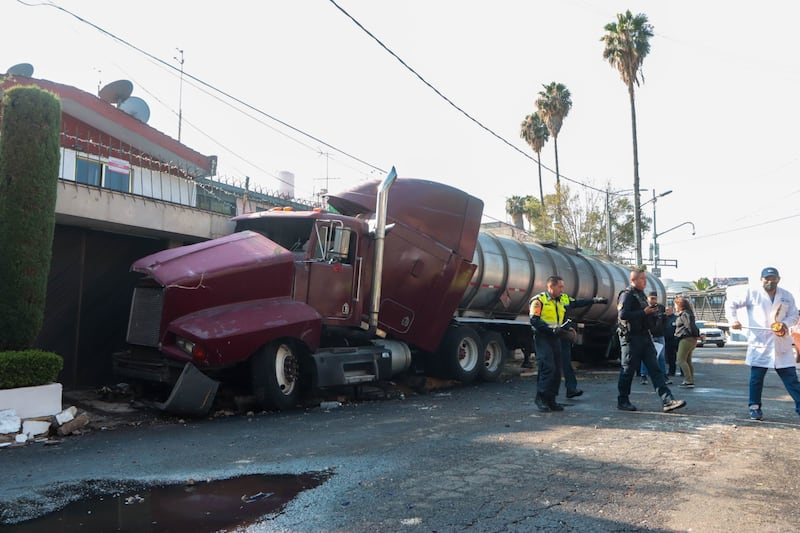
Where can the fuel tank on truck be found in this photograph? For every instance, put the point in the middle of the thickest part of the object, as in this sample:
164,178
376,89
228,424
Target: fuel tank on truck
509,273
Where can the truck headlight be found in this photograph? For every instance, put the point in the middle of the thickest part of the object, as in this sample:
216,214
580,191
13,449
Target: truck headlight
191,348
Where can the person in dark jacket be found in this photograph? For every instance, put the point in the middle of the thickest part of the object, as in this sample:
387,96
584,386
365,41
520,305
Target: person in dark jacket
671,347
636,345
686,331
656,323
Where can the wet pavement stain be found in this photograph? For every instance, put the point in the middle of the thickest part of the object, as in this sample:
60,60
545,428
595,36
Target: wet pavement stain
197,506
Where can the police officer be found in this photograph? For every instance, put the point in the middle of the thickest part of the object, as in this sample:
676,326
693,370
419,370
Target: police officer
554,343
636,345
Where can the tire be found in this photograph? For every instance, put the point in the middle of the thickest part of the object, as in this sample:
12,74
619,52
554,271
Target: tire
460,354
275,372
495,353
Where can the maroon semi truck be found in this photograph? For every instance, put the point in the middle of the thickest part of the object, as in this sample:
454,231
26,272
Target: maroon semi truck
399,279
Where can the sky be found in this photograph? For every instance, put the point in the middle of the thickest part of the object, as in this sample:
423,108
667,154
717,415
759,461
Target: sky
717,113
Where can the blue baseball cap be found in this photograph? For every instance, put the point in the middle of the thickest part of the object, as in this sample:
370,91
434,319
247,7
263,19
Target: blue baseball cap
770,271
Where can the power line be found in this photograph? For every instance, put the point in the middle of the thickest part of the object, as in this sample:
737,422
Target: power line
206,84
449,101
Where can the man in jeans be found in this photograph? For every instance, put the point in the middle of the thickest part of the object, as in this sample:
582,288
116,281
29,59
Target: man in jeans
770,312
636,345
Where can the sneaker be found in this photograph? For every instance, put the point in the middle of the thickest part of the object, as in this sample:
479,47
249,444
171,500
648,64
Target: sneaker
685,385
555,406
542,405
756,414
671,405
575,393
644,380
626,406
668,382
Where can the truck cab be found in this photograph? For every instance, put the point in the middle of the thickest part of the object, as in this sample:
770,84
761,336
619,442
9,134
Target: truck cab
329,258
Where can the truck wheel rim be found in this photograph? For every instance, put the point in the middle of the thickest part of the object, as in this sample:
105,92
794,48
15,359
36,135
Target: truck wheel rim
491,356
285,369
468,354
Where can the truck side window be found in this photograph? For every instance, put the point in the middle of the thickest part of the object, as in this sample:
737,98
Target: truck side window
334,242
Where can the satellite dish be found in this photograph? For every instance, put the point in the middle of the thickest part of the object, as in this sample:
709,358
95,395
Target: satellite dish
21,69
116,91
136,107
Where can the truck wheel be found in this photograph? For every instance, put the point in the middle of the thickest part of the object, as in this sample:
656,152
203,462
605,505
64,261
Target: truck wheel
494,353
275,373
460,354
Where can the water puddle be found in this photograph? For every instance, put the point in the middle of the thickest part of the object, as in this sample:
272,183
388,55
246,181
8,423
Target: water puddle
202,506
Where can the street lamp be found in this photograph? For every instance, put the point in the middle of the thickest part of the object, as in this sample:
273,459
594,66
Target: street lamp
654,199
656,270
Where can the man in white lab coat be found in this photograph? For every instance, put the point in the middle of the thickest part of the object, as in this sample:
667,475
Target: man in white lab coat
770,312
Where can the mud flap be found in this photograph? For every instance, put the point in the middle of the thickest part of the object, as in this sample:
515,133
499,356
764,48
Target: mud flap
193,393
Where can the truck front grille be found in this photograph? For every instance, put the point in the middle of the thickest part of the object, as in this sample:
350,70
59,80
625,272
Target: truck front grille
145,318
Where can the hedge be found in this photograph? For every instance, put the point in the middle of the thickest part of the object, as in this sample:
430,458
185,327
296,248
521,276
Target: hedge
29,368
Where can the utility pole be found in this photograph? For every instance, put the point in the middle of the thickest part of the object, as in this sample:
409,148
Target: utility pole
608,223
180,94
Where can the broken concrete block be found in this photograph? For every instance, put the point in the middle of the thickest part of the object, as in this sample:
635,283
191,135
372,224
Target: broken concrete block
66,415
76,423
9,421
34,428
28,402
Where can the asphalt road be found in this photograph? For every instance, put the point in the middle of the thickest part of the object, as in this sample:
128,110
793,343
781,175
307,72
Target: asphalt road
469,458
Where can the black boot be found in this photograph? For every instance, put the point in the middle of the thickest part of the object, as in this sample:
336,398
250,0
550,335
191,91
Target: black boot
542,404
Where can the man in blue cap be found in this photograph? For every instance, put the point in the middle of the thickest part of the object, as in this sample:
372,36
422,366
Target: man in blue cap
770,312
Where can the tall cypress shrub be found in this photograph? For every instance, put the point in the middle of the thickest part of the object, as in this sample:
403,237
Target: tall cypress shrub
30,123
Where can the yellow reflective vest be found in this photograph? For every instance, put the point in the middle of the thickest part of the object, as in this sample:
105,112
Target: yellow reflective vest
549,310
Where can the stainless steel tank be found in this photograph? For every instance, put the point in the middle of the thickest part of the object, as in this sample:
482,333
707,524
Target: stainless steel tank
509,273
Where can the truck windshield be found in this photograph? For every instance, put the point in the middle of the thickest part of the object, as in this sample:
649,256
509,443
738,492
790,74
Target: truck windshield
291,233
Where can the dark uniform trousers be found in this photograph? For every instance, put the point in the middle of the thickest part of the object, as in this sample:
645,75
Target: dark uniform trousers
635,350
548,362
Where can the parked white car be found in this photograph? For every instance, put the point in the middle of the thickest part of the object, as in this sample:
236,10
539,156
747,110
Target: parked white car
710,335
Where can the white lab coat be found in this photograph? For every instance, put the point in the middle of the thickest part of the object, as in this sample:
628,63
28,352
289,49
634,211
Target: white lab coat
753,307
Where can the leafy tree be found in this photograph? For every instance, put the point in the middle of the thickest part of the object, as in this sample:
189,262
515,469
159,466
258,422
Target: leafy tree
515,206
553,104
30,122
583,220
627,43
534,132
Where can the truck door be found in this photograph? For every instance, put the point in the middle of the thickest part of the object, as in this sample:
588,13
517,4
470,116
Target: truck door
333,272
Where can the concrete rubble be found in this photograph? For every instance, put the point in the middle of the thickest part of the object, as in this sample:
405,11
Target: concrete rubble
16,431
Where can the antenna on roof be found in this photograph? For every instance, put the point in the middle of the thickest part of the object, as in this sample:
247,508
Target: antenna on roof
136,107
21,69
116,92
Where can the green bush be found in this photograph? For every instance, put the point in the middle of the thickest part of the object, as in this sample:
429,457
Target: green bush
28,368
30,122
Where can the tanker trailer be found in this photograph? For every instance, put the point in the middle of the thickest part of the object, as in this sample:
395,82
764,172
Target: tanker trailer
509,273
492,317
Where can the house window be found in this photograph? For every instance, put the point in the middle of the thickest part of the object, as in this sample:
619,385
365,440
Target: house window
116,180
106,175
88,172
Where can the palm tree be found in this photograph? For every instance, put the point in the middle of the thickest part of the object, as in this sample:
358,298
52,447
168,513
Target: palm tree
534,132
553,106
515,206
701,284
627,43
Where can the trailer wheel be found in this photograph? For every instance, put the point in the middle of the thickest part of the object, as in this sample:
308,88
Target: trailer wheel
494,353
275,371
460,354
